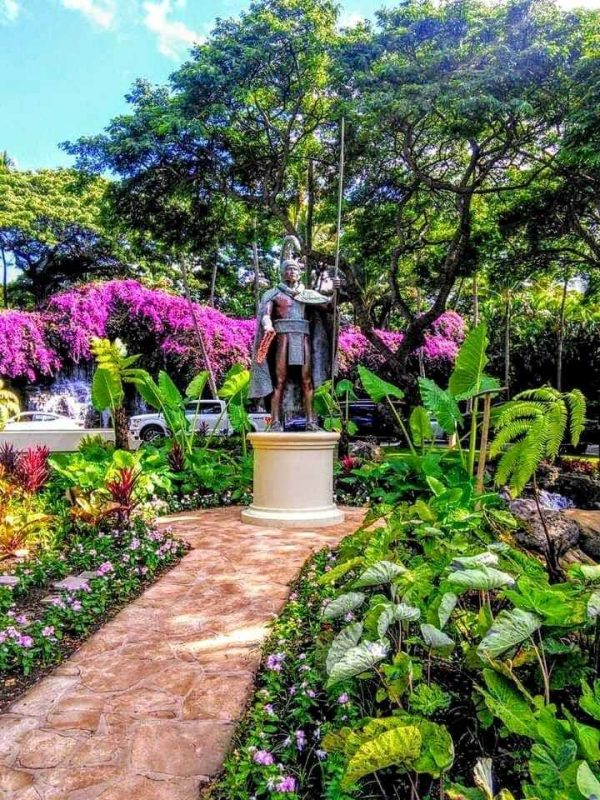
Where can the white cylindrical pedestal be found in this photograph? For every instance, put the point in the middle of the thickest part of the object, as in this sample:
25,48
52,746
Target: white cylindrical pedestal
293,480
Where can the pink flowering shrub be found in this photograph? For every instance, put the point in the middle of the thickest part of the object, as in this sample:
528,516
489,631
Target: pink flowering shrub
441,343
161,327
122,308
24,348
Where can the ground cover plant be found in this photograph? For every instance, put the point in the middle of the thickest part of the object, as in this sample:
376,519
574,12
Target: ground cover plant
424,650
429,657
87,515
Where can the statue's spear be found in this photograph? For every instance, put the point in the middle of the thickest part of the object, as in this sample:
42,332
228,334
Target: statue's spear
334,342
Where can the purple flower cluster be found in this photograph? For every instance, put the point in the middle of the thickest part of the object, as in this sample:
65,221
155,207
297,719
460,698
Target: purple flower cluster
19,638
24,348
263,757
441,343
33,344
275,661
78,315
285,784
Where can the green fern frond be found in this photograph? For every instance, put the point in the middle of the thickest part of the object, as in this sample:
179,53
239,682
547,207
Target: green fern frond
511,433
556,425
441,405
532,427
517,411
576,404
534,450
545,394
508,463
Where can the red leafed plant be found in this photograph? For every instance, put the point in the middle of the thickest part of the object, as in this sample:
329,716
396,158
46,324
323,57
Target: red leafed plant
32,470
9,457
176,458
349,463
122,490
579,466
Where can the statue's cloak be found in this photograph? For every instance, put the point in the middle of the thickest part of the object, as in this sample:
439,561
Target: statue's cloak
320,321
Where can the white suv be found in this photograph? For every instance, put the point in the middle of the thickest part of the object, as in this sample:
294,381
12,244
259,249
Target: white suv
209,416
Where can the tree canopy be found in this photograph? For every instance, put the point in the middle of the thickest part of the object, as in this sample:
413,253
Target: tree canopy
466,122
54,225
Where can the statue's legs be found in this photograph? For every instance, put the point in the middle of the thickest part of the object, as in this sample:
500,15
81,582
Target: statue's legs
281,357
307,388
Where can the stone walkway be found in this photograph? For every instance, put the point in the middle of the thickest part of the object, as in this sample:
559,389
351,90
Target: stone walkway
145,709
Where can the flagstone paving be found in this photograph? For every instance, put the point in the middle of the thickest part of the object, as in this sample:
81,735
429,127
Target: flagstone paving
146,708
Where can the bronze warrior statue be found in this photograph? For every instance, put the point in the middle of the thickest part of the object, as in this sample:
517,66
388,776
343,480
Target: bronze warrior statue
293,343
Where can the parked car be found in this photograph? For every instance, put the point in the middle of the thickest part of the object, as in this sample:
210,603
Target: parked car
372,420
208,416
41,421
589,441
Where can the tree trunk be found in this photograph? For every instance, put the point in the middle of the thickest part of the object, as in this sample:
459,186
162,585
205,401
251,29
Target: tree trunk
561,336
213,280
256,276
4,278
507,321
475,301
121,427
310,212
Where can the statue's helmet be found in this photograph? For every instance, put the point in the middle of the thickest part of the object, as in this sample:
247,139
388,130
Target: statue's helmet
290,262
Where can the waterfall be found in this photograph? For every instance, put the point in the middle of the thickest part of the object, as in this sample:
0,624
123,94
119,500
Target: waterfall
69,396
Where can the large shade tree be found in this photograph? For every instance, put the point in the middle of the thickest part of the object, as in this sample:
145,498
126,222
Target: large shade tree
451,110
54,228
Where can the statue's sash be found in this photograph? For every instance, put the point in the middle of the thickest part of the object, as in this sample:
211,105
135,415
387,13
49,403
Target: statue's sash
296,330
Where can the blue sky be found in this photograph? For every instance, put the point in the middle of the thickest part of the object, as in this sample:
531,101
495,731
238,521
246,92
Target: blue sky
65,65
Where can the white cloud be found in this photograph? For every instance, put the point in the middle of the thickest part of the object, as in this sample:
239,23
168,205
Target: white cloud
579,3
173,36
100,12
348,19
9,10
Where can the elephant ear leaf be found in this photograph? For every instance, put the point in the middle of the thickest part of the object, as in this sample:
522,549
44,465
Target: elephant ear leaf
236,382
343,604
447,606
587,782
344,641
506,703
400,746
468,378
170,392
508,630
378,573
396,613
340,570
195,388
480,579
358,659
485,559
420,426
590,699
437,750
107,390
376,388
484,778
436,639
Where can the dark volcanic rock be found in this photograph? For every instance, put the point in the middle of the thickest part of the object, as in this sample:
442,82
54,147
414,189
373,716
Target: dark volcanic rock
589,530
368,451
564,532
